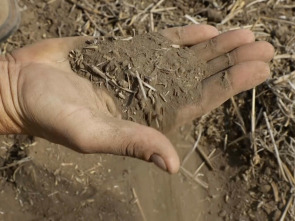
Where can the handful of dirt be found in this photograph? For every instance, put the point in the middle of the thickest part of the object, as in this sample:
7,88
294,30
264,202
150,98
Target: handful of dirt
148,77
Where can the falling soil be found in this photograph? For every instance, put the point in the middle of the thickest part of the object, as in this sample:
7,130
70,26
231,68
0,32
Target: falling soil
148,76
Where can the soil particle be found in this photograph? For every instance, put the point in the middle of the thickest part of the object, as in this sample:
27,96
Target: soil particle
214,15
265,188
222,213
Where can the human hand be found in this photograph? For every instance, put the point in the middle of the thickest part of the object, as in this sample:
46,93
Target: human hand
42,96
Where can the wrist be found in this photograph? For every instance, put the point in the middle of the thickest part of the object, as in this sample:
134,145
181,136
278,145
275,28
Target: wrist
10,122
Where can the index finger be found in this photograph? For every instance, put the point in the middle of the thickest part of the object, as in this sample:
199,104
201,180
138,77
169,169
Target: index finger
190,35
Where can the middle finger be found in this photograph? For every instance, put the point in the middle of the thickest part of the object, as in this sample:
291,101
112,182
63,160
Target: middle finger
256,51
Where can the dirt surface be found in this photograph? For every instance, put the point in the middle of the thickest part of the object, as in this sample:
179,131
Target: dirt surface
59,184
149,78
44,181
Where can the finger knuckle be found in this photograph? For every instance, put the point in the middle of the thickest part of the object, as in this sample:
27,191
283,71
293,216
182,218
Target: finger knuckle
179,33
212,45
225,81
135,145
129,148
233,58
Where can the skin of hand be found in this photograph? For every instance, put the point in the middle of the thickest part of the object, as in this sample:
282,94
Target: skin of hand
40,95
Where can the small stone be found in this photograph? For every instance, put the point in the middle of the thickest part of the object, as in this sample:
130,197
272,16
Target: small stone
214,15
267,171
265,188
123,83
125,63
147,78
222,213
181,70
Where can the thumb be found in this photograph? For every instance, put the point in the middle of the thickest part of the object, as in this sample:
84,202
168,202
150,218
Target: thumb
126,138
50,50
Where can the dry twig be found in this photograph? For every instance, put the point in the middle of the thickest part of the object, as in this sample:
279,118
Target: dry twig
286,208
275,147
194,147
136,200
24,160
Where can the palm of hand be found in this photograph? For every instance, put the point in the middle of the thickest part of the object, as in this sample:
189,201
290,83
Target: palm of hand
56,103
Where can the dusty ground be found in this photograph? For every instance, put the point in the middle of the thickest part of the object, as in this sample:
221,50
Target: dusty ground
43,181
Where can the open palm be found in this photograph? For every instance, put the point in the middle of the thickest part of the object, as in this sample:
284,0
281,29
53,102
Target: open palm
47,99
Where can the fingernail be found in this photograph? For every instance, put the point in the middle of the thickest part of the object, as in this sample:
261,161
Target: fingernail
159,161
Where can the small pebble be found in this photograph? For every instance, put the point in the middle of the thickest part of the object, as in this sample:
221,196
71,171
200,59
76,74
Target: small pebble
222,213
123,83
181,70
265,188
267,171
